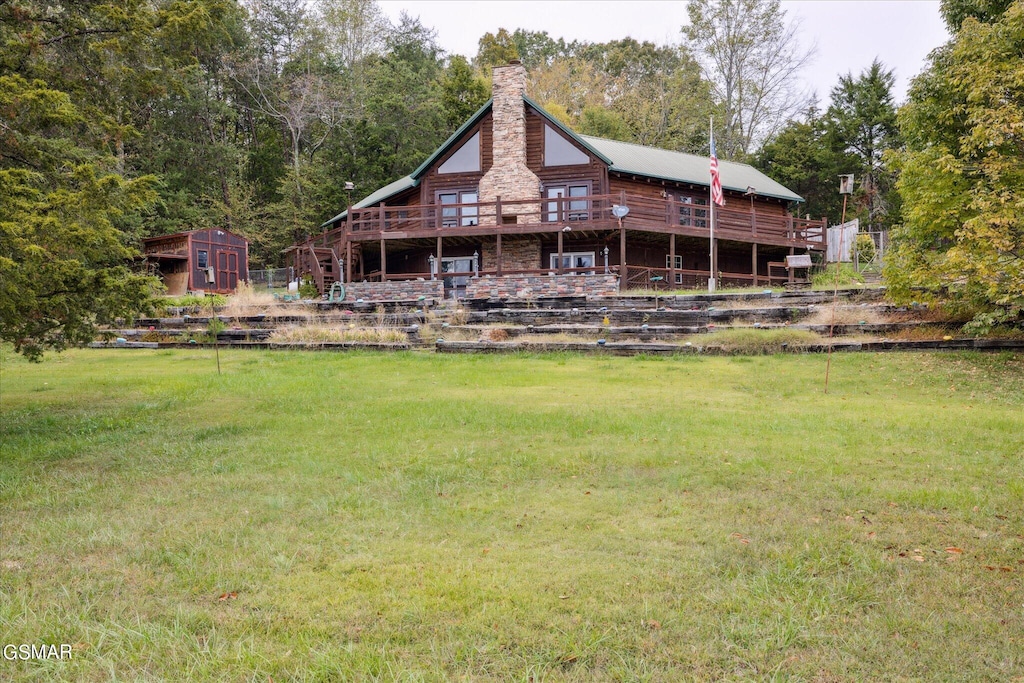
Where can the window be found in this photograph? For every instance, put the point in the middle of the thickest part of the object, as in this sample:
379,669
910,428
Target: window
678,266
466,159
575,259
573,210
560,152
689,213
452,215
203,258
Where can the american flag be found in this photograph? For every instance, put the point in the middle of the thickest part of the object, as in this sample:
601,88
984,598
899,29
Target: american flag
716,180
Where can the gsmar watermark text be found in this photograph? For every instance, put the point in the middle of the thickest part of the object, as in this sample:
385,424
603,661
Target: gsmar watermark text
26,651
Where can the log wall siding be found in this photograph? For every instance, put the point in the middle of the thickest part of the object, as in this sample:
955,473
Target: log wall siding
654,189
433,181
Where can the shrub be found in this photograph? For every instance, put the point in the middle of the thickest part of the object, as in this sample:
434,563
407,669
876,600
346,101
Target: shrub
863,249
843,276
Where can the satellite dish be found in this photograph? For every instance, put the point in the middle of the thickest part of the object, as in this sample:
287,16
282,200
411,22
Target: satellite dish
620,211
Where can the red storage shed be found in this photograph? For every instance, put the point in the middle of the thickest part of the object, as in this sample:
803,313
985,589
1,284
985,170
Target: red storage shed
211,260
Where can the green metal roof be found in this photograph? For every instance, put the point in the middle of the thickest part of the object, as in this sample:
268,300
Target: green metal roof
383,194
663,164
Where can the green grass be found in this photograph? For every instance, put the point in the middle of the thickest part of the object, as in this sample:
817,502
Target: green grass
556,517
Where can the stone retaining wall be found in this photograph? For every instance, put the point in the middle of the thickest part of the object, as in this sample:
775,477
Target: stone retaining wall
396,290
533,286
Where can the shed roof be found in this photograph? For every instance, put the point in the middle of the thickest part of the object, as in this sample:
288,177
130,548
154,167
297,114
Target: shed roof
185,233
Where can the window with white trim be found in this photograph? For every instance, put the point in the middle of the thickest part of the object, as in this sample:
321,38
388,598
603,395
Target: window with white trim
454,216
575,259
572,210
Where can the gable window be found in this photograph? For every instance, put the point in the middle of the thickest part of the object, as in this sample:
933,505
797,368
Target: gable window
453,211
560,152
575,260
572,210
693,212
466,159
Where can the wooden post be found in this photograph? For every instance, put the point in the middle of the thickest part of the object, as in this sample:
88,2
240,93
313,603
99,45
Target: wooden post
790,270
623,276
714,259
383,261
348,260
382,212
559,264
753,261
672,260
497,253
497,210
438,257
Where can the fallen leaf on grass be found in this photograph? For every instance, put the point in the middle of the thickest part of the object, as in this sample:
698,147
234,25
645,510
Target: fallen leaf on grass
563,597
653,625
918,558
954,549
227,596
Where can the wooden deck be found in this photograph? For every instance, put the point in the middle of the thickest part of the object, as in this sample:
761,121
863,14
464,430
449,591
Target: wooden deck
323,256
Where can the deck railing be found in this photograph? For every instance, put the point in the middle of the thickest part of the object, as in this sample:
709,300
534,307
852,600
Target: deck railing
592,212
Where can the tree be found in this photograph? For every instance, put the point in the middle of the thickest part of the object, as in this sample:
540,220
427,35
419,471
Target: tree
64,262
862,122
751,57
962,176
462,91
495,49
806,159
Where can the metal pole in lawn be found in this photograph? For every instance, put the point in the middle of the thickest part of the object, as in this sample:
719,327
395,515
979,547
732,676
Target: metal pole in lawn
845,188
711,207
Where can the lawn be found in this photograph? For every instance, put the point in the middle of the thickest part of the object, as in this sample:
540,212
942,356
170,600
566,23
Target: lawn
358,516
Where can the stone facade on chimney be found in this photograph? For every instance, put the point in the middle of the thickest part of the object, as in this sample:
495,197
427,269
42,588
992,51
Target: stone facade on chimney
509,177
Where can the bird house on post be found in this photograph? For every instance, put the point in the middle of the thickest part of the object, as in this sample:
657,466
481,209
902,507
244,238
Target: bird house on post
846,184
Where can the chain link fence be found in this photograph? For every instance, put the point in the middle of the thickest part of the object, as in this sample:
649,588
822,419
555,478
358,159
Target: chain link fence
271,278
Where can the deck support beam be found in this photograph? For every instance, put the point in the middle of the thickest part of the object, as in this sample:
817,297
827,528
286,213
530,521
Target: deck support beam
438,262
672,260
623,274
559,264
383,261
753,261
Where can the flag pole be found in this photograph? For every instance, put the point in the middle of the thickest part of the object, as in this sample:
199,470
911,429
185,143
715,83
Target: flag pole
711,216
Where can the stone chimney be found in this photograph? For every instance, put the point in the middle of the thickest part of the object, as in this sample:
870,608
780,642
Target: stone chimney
509,176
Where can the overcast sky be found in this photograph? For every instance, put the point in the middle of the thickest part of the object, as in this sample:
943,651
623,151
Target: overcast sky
848,34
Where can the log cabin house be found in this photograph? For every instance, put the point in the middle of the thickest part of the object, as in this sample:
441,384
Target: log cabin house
210,260
514,193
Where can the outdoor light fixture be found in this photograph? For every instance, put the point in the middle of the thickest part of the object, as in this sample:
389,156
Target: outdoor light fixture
349,185
620,211
432,259
567,229
606,260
